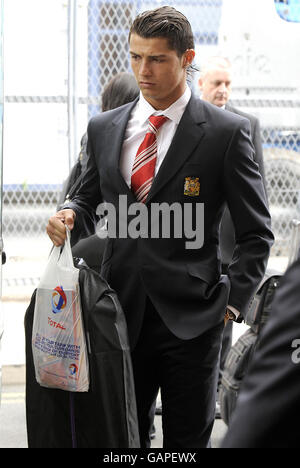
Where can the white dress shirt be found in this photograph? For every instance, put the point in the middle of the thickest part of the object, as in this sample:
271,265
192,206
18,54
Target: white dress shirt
137,128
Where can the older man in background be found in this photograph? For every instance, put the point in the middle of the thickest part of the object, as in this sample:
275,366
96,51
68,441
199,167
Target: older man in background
215,84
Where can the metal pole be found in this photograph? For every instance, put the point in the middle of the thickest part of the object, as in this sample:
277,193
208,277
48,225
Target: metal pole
1,173
1,119
73,144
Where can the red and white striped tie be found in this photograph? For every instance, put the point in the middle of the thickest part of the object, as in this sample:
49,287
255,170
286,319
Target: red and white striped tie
145,160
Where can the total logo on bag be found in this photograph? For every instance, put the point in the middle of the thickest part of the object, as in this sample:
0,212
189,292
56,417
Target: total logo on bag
58,304
59,300
73,369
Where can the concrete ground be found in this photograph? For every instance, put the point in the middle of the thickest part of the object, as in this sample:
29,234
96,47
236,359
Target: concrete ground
12,410
13,416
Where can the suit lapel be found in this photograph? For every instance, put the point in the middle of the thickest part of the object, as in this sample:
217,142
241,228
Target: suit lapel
187,137
114,141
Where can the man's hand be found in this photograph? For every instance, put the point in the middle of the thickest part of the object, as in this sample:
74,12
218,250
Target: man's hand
226,318
56,228
229,316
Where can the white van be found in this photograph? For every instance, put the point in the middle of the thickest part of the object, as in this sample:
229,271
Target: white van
264,49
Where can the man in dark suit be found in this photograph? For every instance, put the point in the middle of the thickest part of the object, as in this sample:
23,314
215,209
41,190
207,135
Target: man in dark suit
268,406
171,150
215,84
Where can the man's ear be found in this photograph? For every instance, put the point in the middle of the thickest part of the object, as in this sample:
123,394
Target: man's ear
189,56
200,83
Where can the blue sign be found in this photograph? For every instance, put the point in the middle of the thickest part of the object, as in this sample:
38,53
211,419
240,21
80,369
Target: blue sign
289,10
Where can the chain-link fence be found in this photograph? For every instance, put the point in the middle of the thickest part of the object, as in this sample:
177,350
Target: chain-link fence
87,46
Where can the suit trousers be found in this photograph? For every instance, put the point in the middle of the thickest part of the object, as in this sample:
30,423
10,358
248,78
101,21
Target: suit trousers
226,347
186,371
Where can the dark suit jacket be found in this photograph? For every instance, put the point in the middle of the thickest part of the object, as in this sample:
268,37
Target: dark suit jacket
255,138
184,285
268,406
227,235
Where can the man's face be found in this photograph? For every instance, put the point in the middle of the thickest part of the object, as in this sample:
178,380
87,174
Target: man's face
160,73
216,86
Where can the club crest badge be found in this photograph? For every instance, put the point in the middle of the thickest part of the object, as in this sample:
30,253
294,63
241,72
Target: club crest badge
192,186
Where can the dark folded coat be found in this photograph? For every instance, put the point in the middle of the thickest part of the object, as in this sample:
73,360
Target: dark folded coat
105,416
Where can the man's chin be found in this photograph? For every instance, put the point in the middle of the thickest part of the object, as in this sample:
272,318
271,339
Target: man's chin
220,102
147,93
150,97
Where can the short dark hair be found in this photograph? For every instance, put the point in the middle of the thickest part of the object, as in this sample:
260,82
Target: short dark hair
168,23
121,89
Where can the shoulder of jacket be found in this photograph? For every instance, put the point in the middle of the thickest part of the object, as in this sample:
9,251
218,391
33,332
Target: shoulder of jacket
224,118
234,110
107,117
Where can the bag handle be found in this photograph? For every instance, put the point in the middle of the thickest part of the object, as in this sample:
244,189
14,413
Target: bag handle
66,256
62,254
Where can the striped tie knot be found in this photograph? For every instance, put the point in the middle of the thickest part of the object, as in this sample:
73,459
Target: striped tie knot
155,122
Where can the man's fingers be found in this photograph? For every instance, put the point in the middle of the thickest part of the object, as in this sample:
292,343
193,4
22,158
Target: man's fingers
68,217
57,241
69,220
56,228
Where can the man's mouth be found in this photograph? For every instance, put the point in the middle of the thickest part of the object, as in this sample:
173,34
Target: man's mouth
146,84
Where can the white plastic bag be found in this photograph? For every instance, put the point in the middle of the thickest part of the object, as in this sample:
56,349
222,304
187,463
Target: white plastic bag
58,340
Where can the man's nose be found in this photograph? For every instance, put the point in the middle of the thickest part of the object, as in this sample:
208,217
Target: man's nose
222,88
144,68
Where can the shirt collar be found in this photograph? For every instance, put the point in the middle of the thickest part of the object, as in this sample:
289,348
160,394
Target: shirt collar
174,112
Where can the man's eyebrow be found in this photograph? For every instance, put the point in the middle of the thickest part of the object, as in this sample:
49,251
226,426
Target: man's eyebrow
150,56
